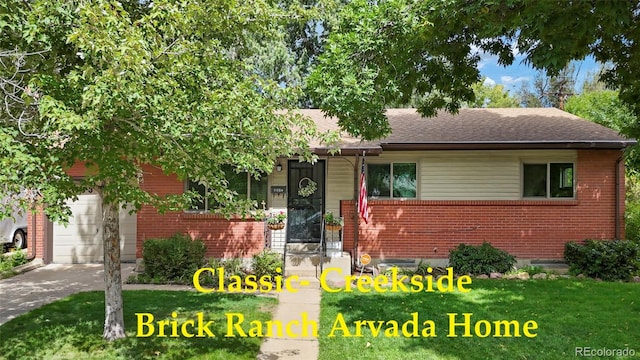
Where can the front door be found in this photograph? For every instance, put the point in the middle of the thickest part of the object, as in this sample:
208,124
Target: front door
305,201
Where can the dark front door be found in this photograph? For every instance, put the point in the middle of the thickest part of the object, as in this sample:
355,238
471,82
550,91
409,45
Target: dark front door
305,204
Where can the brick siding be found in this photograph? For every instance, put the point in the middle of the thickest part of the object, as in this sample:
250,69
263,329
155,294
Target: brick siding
528,229
223,238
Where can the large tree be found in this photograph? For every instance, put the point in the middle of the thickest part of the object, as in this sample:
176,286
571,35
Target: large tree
385,52
118,85
491,96
549,91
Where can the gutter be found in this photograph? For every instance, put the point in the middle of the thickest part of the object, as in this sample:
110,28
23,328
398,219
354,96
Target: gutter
508,145
479,145
348,151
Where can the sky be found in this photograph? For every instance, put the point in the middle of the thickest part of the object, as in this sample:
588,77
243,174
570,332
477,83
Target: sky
511,77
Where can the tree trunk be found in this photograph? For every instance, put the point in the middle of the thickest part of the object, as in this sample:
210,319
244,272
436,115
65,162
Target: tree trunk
114,319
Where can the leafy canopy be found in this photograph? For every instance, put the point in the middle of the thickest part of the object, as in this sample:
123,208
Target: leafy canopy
172,85
491,96
389,52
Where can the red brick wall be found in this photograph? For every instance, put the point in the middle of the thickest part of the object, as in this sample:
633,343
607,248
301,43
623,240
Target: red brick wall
527,229
223,238
37,232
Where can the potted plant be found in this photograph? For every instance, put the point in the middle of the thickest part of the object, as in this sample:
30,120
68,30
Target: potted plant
276,221
332,222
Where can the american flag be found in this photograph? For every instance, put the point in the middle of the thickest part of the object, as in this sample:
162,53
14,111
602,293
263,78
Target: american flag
363,207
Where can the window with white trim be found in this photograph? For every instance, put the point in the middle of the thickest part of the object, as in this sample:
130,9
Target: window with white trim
548,180
243,183
392,180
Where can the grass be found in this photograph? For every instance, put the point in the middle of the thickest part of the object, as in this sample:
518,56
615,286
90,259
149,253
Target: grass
71,328
569,313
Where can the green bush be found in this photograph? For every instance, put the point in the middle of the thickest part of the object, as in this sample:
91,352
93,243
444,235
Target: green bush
632,221
603,259
175,259
532,269
483,259
632,206
16,258
232,267
267,263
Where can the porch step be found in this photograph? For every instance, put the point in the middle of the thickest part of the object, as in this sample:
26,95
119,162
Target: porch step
308,264
303,247
302,263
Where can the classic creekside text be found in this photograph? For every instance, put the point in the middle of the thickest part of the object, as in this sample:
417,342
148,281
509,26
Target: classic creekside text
413,324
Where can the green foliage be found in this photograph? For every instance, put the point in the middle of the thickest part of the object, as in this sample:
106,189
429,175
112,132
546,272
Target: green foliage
603,259
632,207
175,85
491,96
422,268
388,52
391,52
331,219
15,258
531,269
174,259
232,267
483,259
605,108
276,218
632,221
267,263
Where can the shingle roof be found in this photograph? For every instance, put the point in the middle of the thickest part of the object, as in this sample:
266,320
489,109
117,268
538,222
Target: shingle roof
510,128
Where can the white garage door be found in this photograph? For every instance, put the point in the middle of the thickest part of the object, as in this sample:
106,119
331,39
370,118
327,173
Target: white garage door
81,240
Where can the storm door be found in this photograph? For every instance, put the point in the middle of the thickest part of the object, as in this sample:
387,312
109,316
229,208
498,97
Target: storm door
305,202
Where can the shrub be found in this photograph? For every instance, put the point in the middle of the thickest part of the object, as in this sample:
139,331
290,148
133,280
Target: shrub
632,207
175,259
267,263
533,269
232,267
423,268
483,259
16,258
632,221
603,259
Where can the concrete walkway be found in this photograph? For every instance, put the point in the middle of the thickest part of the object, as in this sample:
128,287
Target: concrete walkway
292,307
32,289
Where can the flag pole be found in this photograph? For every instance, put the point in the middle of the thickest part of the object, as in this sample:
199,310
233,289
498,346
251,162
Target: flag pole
356,214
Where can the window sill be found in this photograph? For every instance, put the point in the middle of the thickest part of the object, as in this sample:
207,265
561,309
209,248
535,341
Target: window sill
514,202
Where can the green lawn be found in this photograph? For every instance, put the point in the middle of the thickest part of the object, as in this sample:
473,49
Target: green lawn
71,328
569,313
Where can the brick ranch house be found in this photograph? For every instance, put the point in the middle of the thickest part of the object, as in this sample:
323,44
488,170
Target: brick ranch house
525,180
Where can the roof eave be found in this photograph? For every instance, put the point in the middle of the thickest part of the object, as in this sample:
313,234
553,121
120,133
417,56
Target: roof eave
368,150
512,145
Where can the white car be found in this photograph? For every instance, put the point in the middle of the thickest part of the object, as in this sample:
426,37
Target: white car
13,230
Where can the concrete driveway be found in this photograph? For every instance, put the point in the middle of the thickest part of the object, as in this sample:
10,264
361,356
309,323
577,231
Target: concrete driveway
43,285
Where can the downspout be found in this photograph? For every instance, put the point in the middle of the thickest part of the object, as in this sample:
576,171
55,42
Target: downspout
617,197
356,217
